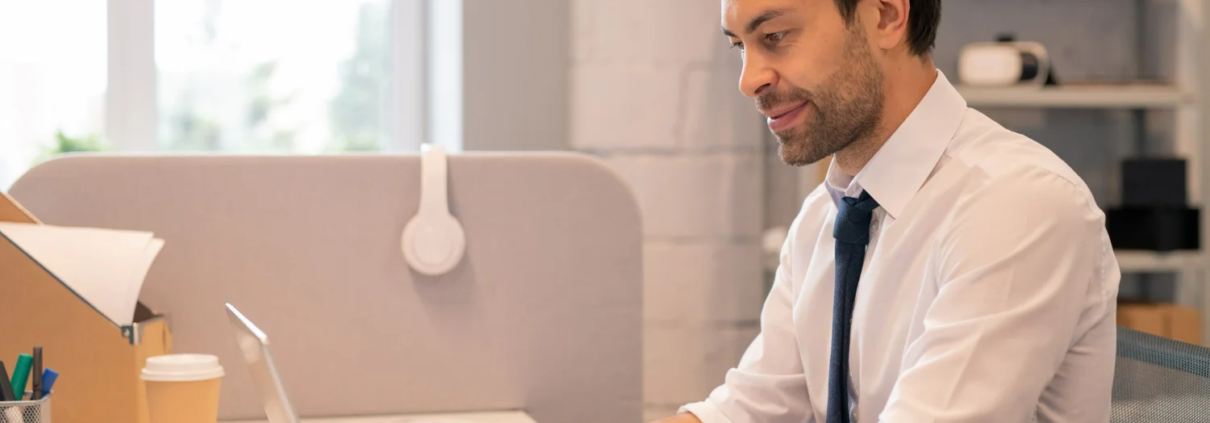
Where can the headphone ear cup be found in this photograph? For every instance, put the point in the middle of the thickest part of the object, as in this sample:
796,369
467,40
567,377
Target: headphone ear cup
433,241
433,245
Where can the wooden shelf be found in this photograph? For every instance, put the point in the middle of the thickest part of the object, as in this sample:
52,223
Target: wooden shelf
1140,96
1155,261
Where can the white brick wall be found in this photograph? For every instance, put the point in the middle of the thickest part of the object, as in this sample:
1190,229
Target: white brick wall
693,283
654,93
716,116
667,33
619,107
692,196
683,364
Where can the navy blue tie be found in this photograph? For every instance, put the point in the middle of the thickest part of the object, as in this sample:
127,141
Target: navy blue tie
852,233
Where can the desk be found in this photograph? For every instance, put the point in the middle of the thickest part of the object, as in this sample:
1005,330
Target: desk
505,417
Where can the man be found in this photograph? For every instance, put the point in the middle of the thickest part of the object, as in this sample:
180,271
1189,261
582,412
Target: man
987,281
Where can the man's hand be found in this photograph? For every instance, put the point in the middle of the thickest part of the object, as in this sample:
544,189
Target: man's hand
681,418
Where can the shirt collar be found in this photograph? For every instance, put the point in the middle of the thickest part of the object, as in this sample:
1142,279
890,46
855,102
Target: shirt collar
898,170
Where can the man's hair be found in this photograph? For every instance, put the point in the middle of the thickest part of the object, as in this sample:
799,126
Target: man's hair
923,19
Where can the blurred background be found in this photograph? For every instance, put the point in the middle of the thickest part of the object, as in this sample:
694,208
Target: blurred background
647,85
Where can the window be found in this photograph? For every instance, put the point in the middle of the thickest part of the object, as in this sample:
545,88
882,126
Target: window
52,80
241,76
273,76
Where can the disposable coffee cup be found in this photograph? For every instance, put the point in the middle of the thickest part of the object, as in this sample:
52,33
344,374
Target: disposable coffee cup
183,388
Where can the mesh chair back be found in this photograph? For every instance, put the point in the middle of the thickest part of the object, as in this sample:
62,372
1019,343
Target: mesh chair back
1157,379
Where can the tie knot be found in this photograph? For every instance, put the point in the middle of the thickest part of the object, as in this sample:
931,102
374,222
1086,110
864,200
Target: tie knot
863,202
853,219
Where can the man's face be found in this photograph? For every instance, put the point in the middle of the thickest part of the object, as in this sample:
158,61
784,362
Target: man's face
812,74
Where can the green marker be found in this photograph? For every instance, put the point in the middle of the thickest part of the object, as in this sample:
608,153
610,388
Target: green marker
21,374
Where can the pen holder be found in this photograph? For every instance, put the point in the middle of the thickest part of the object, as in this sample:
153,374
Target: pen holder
25,411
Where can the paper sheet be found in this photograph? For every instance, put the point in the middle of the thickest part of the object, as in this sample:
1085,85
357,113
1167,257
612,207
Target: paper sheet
105,267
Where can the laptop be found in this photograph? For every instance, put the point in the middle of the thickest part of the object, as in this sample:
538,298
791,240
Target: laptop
255,346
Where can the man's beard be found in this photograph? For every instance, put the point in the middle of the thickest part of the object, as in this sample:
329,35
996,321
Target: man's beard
846,108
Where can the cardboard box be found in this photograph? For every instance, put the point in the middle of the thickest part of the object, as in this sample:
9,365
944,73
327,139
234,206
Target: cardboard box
1167,320
99,362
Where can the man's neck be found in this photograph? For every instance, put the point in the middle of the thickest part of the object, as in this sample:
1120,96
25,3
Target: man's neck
905,86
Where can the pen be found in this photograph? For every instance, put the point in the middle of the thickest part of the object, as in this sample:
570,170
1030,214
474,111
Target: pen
35,391
48,380
21,374
6,390
6,393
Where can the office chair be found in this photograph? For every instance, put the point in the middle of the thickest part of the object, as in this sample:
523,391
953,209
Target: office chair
1157,379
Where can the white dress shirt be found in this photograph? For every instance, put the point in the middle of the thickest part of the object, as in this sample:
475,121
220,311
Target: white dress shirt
987,295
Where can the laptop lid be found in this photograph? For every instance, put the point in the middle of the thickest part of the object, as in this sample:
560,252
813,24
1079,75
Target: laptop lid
255,346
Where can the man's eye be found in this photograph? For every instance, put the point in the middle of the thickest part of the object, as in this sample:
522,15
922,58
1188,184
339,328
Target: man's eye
775,37
738,45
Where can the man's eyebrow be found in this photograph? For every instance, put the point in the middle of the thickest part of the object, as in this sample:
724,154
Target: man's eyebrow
762,18
757,22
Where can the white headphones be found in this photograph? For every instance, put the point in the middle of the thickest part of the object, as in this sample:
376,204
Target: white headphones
433,241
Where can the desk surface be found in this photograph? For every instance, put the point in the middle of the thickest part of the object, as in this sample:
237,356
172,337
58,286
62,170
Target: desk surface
506,417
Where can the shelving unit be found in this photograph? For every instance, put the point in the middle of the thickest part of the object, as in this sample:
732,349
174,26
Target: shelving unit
1152,261
1140,96
1189,98
1137,97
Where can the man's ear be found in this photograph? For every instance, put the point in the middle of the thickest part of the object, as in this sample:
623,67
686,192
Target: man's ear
892,18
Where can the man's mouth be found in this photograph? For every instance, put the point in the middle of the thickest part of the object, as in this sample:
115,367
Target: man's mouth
784,117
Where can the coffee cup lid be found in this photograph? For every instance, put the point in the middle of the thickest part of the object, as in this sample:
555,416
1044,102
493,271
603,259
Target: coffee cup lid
182,368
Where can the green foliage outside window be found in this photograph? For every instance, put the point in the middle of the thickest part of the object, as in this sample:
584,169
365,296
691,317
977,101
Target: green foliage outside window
64,144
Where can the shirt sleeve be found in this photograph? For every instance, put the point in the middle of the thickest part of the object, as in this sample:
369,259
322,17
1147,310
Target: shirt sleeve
1014,273
768,385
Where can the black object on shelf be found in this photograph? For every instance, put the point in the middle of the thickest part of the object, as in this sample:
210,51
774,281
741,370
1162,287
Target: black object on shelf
1154,182
1153,228
1155,212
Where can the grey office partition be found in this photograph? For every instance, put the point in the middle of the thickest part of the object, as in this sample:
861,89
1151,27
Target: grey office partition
543,313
